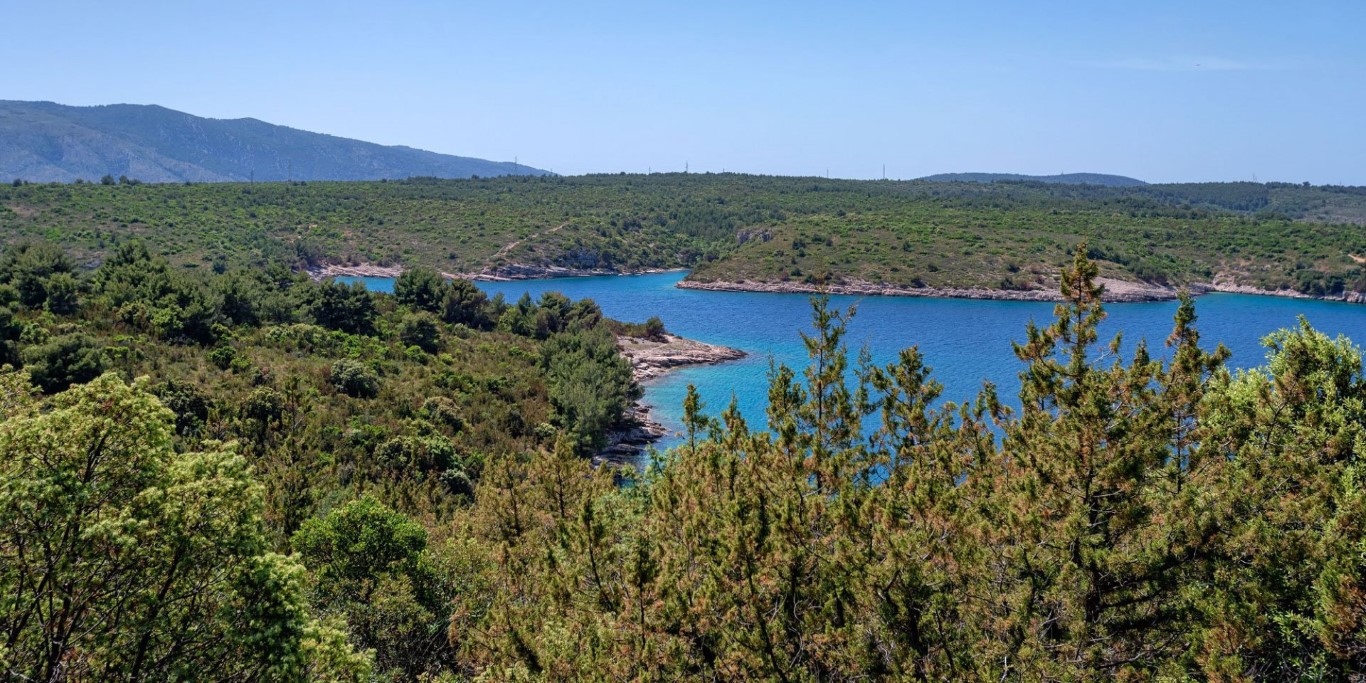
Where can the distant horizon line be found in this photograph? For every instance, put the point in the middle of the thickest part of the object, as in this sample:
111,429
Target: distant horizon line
551,173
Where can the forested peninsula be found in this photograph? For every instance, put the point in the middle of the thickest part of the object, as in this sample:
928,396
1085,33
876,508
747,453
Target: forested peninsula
252,476
1008,239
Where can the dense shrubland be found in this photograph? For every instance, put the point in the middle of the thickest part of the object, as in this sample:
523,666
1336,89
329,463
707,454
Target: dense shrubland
328,386
1012,235
237,516
1134,519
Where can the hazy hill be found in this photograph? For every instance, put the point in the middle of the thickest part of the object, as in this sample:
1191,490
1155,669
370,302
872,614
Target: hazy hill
43,141
1062,178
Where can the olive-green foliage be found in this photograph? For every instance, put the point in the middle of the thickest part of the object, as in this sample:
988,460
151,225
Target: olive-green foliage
349,309
371,565
243,298
553,314
122,559
1134,519
145,292
1288,451
62,361
264,377
30,266
421,288
591,384
414,456
1015,235
190,405
466,304
354,544
287,390
354,379
63,293
1010,244
652,329
421,330
10,331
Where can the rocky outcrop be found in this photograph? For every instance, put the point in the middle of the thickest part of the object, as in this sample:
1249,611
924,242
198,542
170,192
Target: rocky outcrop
625,445
522,271
511,272
324,271
651,359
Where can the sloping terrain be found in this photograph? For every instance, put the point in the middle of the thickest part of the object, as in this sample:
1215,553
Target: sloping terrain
43,142
761,232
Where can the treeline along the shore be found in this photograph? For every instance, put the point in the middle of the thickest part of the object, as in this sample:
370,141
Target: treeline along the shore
757,231
253,477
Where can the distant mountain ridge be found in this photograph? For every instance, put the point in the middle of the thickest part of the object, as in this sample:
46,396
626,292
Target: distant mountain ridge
1104,179
45,142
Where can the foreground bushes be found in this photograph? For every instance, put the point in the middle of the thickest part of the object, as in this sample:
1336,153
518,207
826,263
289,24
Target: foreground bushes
121,559
1133,520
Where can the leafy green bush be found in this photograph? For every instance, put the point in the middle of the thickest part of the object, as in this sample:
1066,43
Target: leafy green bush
29,267
354,378
62,361
421,288
151,561
372,564
420,330
416,455
264,405
347,309
63,293
591,385
467,305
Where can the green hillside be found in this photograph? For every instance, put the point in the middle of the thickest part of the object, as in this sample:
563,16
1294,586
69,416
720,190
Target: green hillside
728,227
960,245
44,141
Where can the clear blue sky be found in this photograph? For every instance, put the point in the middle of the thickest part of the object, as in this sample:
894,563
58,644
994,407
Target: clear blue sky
1162,90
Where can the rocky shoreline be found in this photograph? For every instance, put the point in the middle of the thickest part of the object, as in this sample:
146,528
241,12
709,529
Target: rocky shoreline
1116,291
506,273
360,270
651,359
519,271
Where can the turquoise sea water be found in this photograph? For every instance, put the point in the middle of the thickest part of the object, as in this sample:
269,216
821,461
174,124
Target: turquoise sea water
965,342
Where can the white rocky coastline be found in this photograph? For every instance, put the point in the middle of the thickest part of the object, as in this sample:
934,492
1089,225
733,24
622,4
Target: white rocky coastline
651,359
505,273
1116,291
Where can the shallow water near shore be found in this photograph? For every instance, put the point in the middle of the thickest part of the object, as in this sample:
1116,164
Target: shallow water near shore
965,342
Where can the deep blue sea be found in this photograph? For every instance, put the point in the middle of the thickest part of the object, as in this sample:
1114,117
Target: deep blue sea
965,342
